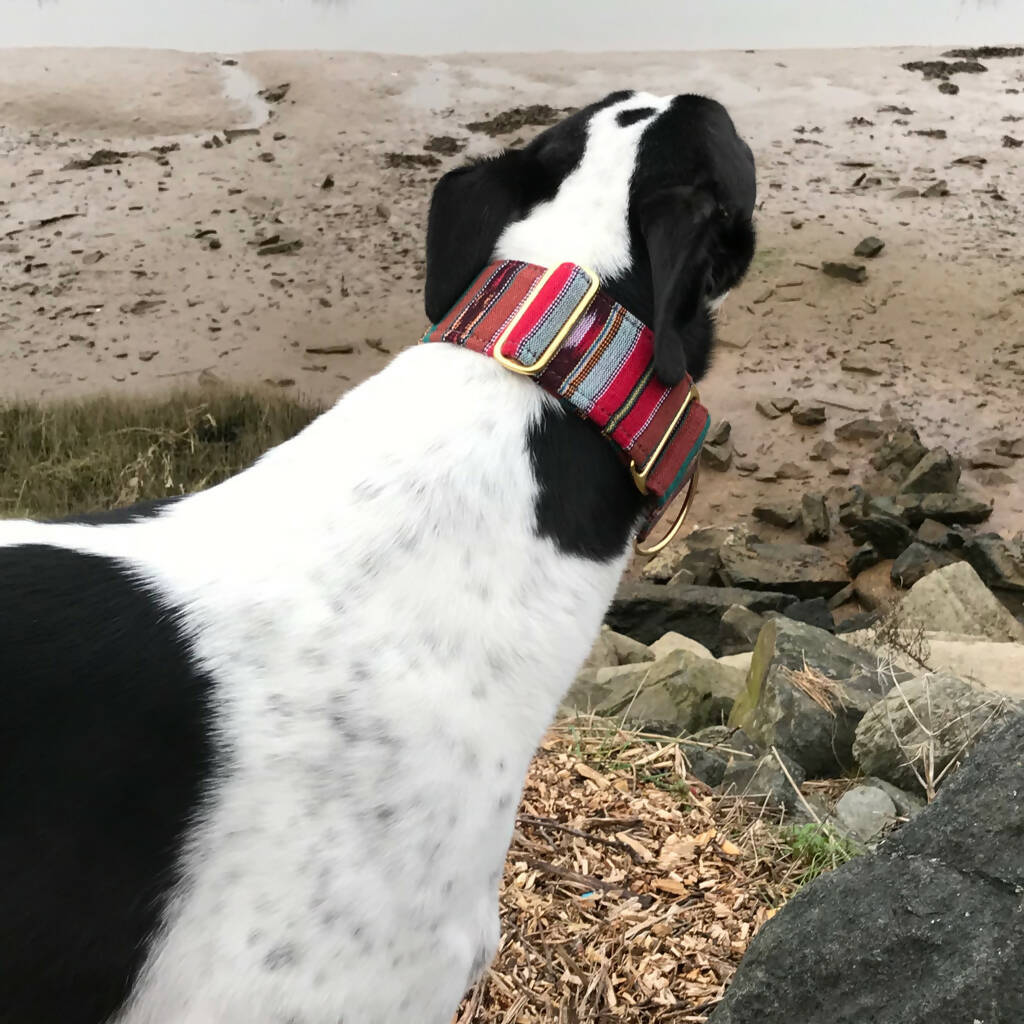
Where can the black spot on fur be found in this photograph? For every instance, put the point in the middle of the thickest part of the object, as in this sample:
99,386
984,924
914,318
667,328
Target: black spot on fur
128,514
105,749
624,118
281,956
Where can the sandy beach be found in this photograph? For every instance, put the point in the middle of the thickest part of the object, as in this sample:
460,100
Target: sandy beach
291,253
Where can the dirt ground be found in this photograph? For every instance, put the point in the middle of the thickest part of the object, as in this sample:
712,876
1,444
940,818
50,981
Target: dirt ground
149,272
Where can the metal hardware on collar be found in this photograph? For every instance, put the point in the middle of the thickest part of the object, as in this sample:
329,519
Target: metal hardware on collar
542,361
640,475
680,519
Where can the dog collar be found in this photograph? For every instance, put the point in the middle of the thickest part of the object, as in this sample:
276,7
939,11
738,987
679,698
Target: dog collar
558,327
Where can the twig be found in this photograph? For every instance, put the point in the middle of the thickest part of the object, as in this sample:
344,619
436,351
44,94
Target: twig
528,819
796,788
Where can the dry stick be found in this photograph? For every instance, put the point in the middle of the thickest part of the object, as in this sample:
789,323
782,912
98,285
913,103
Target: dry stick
528,819
796,788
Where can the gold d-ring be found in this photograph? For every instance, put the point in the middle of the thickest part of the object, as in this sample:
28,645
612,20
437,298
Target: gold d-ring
674,529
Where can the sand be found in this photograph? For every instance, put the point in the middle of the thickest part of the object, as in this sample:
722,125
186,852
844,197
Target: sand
158,278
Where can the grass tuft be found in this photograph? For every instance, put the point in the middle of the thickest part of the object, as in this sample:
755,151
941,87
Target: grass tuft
76,457
815,850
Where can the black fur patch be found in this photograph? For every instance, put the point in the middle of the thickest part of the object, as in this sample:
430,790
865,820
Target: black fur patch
624,118
105,746
127,514
587,504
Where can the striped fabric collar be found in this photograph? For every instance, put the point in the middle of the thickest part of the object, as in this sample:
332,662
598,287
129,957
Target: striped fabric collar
558,327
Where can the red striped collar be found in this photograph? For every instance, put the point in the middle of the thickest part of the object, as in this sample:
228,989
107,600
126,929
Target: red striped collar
558,327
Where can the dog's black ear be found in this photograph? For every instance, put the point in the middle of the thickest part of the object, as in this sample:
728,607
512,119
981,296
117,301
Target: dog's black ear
470,208
677,226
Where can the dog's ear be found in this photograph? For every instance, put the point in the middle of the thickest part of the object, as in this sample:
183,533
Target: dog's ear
677,225
470,208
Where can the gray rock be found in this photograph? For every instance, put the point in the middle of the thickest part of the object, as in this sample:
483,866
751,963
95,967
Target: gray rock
863,559
868,248
937,473
951,509
996,561
814,612
720,432
603,654
902,447
627,650
862,429
675,695
855,272
906,804
809,415
767,408
937,189
710,751
916,562
955,600
860,364
664,565
677,642
647,611
739,630
911,735
842,597
704,565
805,693
886,533
864,813
937,535
763,780
783,514
797,569
717,456
815,518
925,930
822,451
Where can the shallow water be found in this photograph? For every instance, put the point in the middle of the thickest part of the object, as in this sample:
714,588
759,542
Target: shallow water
447,26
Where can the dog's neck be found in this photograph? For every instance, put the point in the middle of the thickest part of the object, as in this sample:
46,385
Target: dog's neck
557,327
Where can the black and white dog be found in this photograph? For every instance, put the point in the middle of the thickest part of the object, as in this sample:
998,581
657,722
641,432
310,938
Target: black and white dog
261,748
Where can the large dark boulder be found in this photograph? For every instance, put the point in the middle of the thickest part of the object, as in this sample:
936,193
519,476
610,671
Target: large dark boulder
929,929
646,611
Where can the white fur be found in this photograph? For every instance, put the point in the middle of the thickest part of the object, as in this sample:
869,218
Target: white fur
388,637
587,220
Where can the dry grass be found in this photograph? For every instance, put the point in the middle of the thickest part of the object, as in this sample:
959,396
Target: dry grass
71,458
631,890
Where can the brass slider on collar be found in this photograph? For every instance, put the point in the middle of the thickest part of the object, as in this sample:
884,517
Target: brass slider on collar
542,361
640,475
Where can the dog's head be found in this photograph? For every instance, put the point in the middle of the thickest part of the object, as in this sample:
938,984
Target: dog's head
655,194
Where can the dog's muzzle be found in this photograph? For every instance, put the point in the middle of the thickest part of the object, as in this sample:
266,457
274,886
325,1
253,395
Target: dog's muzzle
558,327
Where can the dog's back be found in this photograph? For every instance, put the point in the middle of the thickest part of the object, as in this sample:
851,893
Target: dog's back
262,749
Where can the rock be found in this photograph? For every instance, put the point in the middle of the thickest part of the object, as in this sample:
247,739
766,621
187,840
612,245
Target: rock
926,929
717,456
901,446
784,403
937,473
703,566
937,189
739,630
986,458
855,272
777,513
792,471
711,538
677,642
276,93
1011,447
809,415
951,509
675,695
805,693
815,518
861,429
875,589
936,535
862,559
814,612
955,599
764,781
906,193
720,432
603,653
949,88
888,534
767,408
628,651
822,451
906,804
972,160
710,751
916,562
839,467
997,562
664,565
797,569
864,813
860,364
911,735
446,145
868,248
841,597
647,611
683,578
858,623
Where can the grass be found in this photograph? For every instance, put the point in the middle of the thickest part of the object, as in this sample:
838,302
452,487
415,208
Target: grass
102,453
816,849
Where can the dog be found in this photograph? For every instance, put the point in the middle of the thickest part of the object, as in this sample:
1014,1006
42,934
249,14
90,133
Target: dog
261,747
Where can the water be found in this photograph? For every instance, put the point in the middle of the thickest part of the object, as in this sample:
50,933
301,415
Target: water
448,26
